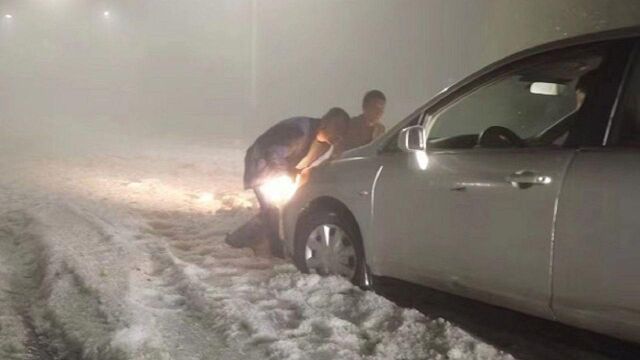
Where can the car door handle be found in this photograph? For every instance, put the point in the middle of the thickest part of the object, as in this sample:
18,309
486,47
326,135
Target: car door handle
526,179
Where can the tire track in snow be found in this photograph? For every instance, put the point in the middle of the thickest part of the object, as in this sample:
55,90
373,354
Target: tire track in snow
21,281
137,284
17,339
63,316
100,289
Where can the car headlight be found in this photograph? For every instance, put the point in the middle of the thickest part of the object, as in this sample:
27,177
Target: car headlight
279,190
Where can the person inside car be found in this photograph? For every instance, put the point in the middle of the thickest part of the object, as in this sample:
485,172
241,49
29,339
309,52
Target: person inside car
558,133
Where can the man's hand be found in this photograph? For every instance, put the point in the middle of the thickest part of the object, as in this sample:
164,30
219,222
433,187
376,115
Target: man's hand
303,176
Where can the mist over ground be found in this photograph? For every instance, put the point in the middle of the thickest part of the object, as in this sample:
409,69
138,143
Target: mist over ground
123,126
80,75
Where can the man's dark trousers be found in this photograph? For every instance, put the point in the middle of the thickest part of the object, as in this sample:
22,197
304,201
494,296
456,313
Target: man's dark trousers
270,218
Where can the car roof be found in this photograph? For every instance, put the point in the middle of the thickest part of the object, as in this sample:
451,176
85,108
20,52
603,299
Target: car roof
585,39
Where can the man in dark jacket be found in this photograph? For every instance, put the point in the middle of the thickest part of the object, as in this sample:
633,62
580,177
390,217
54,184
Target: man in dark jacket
366,127
287,149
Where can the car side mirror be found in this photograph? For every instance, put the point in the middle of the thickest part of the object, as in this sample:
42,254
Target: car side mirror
412,139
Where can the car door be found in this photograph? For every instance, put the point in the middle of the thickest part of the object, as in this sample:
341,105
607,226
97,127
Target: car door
475,215
597,254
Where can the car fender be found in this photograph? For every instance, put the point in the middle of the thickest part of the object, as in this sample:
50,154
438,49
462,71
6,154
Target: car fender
348,182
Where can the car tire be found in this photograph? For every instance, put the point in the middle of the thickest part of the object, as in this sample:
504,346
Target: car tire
335,221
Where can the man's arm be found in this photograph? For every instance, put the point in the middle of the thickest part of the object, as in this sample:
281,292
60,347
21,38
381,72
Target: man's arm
316,150
318,153
378,130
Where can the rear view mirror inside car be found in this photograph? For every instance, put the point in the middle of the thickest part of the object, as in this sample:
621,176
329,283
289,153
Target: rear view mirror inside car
546,88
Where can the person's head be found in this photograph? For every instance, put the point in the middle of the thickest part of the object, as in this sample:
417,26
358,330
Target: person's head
333,126
583,86
373,105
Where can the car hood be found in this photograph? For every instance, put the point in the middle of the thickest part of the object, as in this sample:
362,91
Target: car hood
361,152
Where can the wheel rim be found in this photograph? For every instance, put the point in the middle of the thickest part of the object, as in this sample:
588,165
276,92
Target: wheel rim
330,251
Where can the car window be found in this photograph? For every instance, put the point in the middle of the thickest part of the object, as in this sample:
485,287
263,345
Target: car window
533,106
628,133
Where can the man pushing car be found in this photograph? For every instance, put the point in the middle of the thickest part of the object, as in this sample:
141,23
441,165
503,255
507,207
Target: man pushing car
277,162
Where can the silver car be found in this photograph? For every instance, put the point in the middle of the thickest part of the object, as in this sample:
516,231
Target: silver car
518,186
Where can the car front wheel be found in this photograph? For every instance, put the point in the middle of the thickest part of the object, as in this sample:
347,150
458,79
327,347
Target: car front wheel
329,244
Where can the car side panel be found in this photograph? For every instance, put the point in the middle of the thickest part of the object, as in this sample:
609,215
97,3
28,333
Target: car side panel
460,226
349,181
596,262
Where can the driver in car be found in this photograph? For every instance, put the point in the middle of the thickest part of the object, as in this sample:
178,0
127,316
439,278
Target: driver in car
558,133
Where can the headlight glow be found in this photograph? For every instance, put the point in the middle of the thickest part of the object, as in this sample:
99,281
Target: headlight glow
279,190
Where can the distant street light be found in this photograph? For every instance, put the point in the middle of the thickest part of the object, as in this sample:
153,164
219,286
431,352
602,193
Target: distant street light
8,16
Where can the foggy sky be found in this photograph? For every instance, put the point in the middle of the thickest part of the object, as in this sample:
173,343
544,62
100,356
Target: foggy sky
212,69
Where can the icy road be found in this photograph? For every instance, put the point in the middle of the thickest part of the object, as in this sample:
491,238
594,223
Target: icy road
122,257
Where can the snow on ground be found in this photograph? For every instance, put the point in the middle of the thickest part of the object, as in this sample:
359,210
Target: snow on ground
122,257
